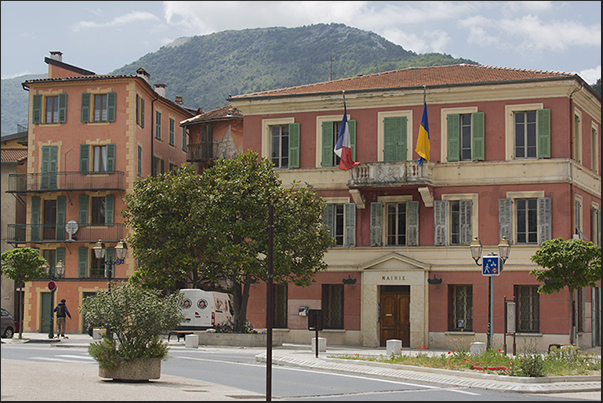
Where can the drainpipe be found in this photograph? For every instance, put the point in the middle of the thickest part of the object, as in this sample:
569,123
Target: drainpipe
152,135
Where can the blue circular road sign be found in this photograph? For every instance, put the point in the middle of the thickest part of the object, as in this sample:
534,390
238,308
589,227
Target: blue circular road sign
52,285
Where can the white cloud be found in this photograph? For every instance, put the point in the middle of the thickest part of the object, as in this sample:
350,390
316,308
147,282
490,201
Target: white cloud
123,20
591,75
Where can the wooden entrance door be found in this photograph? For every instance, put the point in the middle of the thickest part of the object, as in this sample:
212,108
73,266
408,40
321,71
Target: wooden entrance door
395,318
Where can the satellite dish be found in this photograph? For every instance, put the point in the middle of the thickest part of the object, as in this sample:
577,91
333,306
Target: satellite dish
71,227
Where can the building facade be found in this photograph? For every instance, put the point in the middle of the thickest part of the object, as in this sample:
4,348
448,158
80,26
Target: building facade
90,137
513,153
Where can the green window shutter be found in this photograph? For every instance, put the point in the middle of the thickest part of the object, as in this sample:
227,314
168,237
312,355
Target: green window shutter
83,212
543,121
158,125
394,139
440,215
110,158
184,139
85,112
544,219
50,155
142,112
352,128
61,202
109,209
36,112
139,161
328,219
62,108
376,224
171,139
454,137
505,218
162,166
35,218
84,158
82,263
466,215
412,223
327,144
349,213
294,133
111,104
138,109
60,256
478,137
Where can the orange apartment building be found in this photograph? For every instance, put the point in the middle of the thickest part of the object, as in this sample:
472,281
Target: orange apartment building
513,153
90,136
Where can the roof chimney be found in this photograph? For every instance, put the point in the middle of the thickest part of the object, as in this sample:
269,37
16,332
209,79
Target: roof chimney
178,100
160,89
56,55
143,73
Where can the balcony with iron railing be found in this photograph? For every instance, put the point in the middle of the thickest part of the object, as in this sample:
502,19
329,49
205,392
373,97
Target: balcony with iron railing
52,233
390,173
61,181
202,152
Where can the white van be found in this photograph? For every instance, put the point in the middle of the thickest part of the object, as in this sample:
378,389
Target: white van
204,309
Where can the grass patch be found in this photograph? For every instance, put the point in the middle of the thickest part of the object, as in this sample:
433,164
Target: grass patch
528,363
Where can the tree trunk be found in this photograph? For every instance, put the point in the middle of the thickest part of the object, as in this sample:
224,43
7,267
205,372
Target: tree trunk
240,296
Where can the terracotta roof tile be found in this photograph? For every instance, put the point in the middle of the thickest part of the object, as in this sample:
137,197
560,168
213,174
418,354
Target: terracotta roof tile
417,77
13,154
226,112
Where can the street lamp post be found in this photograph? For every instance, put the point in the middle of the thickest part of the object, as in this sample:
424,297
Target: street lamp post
58,272
503,252
100,251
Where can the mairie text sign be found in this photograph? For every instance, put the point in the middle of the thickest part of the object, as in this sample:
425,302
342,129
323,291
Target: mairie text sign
491,265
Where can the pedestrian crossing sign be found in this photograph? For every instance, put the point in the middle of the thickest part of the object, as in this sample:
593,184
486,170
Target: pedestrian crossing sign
491,265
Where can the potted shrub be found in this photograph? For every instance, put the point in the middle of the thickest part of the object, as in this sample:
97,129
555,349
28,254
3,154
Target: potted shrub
137,317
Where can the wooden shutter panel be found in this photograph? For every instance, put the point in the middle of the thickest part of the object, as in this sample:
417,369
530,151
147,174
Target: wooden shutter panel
142,112
162,166
111,106
158,125
328,219
82,264
62,108
543,121
184,139
171,138
61,203
294,134
110,158
477,137
83,213
505,217
35,218
544,219
454,137
60,256
466,210
109,209
352,129
138,109
412,223
327,144
376,224
139,161
440,213
36,112
84,158
85,111
349,236
50,155
394,139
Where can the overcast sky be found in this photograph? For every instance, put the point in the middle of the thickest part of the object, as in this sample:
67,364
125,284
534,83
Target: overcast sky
101,36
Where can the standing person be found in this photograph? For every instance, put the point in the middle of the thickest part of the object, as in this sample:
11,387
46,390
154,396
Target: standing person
62,313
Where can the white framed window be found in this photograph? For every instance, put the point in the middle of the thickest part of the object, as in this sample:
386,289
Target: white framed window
327,129
595,223
463,134
525,217
395,221
577,136
455,219
394,136
578,222
594,148
281,142
527,131
340,217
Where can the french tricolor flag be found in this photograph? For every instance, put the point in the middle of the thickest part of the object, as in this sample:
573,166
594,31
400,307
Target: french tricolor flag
343,147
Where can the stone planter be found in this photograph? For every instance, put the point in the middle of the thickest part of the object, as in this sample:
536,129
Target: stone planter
238,339
141,369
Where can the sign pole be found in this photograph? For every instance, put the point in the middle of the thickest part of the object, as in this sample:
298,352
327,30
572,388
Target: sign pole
269,305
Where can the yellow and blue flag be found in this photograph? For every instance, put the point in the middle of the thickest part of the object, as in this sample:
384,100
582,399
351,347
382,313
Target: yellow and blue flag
423,141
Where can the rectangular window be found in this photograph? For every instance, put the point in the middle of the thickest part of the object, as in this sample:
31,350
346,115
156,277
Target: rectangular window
396,223
50,257
527,221
97,269
332,306
460,306
184,139
207,142
139,161
50,219
528,308
340,219
99,159
465,138
594,150
98,211
52,109
336,127
158,125
525,134
100,108
280,146
171,139
280,306
139,110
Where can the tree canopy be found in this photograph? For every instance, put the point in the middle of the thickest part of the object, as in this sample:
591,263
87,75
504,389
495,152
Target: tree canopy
209,231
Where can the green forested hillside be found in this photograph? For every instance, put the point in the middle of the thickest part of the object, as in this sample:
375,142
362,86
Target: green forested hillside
205,69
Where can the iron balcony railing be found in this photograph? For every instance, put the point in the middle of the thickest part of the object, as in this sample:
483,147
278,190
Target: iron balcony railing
56,181
390,173
51,233
202,152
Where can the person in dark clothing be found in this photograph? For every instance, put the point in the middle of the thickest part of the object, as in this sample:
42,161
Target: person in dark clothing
62,313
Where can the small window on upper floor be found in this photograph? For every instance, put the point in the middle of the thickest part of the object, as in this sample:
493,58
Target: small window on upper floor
98,108
49,109
525,219
453,219
394,222
340,219
279,151
532,134
465,137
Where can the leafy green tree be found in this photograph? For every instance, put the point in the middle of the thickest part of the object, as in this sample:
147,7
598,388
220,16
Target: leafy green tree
209,231
22,265
574,263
